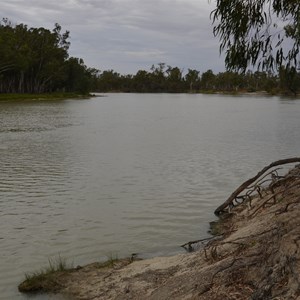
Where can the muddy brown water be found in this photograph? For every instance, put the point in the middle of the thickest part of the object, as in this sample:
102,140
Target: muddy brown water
124,173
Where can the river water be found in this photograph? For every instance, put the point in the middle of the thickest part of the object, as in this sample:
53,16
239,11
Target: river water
124,173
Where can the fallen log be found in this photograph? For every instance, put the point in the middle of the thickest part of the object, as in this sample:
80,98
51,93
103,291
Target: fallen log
242,187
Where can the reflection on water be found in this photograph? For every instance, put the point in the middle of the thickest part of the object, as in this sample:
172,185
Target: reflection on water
126,173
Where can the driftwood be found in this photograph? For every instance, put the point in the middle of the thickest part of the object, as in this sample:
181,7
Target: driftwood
235,195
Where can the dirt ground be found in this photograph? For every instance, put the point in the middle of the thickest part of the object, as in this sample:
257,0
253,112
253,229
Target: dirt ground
255,256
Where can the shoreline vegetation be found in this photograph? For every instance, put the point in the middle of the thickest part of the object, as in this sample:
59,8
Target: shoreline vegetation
44,96
254,254
68,95
37,61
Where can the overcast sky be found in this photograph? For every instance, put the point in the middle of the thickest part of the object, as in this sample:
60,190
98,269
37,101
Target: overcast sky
128,35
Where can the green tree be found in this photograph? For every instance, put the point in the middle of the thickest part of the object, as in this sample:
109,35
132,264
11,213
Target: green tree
289,80
264,33
109,80
35,60
174,82
192,79
158,78
141,81
78,76
208,80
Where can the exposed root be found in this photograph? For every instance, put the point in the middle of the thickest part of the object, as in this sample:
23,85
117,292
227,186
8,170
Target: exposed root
258,186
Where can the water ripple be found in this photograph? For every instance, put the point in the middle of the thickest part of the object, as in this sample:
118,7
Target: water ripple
86,179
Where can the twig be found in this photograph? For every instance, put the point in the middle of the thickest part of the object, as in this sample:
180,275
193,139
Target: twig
199,241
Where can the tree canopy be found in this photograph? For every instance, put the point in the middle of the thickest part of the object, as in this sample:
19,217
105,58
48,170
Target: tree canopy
167,79
260,33
36,60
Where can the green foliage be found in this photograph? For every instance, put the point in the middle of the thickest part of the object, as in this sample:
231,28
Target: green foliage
58,264
289,80
192,80
35,60
265,33
44,96
46,278
162,79
208,80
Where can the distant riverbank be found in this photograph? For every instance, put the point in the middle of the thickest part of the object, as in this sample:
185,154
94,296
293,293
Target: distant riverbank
43,96
62,96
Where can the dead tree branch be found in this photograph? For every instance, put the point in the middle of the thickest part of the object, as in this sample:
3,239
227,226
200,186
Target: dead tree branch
229,202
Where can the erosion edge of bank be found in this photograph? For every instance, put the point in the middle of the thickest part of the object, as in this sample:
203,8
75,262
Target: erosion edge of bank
256,254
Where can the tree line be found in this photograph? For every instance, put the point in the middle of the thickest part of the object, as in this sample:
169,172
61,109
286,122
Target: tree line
163,78
36,60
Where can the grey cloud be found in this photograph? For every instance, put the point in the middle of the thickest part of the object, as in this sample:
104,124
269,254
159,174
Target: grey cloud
127,35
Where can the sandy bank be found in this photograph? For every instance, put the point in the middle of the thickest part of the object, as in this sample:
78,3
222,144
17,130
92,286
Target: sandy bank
257,257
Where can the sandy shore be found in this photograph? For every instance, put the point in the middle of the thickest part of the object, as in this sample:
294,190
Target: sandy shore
257,256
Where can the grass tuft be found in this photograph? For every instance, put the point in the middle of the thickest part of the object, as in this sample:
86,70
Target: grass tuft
111,260
46,278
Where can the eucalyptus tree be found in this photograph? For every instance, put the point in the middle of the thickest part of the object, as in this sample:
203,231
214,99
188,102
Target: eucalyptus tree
77,75
31,59
260,33
174,79
141,81
109,80
36,60
49,53
192,79
289,80
158,78
229,81
208,79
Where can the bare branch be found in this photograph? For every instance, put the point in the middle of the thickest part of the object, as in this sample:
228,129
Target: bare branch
232,197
